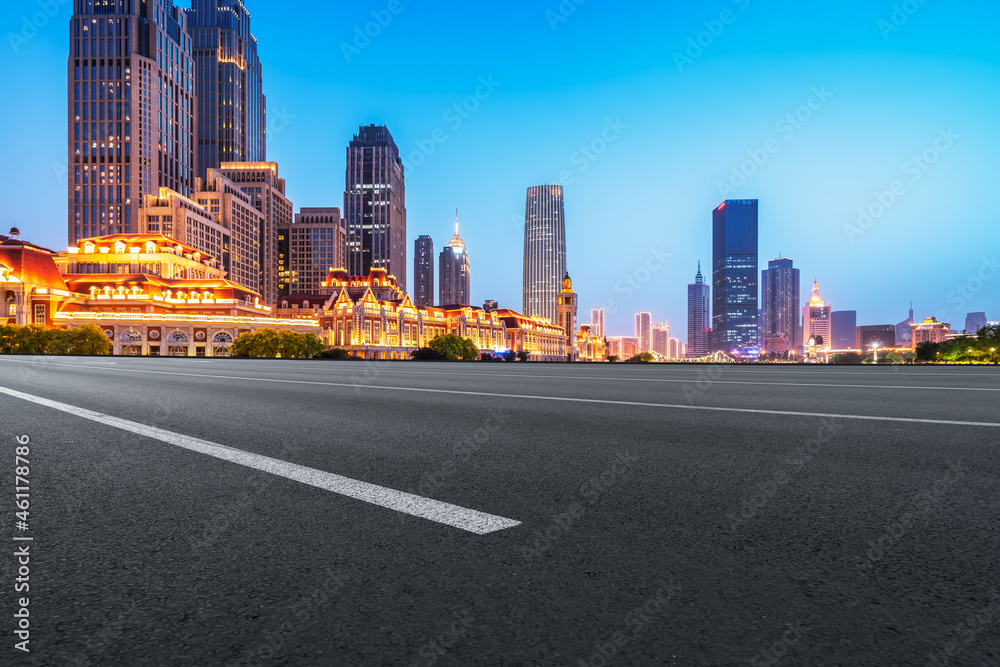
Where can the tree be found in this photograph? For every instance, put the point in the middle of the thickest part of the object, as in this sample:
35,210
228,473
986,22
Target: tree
263,343
522,355
89,339
641,358
928,351
453,347
612,358
335,353
37,339
426,354
847,358
293,345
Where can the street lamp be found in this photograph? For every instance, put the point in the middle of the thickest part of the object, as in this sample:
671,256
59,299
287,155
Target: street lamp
875,351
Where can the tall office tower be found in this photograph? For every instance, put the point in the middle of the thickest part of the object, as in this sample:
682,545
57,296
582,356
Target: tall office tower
375,205
644,331
597,322
308,248
780,316
973,322
734,275
566,310
260,181
903,331
231,106
454,272
423,271
843,324
699,325
816,320
544,249
130,112
660,342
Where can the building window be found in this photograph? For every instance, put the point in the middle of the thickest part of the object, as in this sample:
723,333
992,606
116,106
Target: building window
40,313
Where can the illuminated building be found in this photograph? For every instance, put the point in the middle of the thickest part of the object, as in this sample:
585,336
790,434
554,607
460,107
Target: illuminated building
928,331
544,250
266,191
231,106
699,317
644,331
538,336
130,112
31,284
566,310
174,215
816,320
843,324
780,316
375,204
454,272
660,341
423,271
308,248
677,350
734,276
597,322
623,347
590,346
868,335
974,322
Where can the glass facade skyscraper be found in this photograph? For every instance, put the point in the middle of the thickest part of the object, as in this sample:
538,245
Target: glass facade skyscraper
780,294
734,276
423,271
699,317
231,106
375,205
544,250
130,112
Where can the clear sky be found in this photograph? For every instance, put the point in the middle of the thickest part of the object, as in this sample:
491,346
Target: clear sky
683,119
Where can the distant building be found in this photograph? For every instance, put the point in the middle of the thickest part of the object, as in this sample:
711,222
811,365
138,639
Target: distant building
868,335
661,339
929,331
544,249
699,325
454,272
974,322
309,247
597,322
843,329
423,271
644,331
677,350
623,347
816,320
903,329
734,275
780,294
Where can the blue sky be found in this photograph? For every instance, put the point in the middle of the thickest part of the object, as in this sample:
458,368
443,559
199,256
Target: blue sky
670,137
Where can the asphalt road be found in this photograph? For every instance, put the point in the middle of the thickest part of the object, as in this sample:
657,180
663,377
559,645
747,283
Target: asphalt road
558,514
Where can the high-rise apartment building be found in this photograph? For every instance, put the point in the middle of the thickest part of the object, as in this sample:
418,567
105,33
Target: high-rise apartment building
231,111
843,324
423,271
454,272
644,331
130,112
544,250
780,313
699,317
660,343
375,205
816,323
597,322
309,248
734,275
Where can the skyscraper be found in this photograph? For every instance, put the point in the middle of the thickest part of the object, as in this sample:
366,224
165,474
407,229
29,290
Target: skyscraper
816,320
308,248
734,275
454,272
375,205
644,331
423,271
597,322
780,294
699,325
843,325
544,249
231,109
130,112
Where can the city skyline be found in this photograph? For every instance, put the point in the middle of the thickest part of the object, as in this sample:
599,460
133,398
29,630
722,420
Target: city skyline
822,174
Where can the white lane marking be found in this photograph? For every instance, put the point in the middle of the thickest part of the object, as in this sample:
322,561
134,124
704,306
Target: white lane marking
451,515
601,401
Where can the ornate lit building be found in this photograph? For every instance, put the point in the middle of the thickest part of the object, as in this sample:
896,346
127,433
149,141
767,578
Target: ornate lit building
31,284
816,323
590,346
566,306
928,331
536,335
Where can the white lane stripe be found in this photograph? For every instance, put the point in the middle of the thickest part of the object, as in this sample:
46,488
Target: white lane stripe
787,413
451,515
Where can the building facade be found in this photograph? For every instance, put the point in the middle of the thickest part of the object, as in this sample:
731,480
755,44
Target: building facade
869,335
780,312
566,311
544,250
644,331
734,276
537,336
843,325
928,331
974,322
597,322
454,273
423,271
660,340
375,204
309,248
31,285
231,109
816,323
699,322
130,112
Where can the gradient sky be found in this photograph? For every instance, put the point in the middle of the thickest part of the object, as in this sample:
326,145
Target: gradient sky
686,127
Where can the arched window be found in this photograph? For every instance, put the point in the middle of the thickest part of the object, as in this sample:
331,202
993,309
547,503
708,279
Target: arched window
119,248
131,336
222,337
177,337
150,247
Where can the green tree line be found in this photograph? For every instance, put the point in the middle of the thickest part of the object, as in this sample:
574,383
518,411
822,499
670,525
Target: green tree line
37,339
268,343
